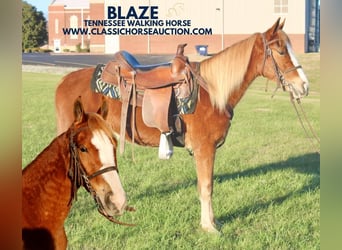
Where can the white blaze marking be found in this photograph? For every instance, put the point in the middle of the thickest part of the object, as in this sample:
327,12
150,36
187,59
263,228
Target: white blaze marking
106,152
295,63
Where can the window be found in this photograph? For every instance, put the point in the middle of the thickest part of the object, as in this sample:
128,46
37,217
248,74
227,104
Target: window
73,24
281,7
56,26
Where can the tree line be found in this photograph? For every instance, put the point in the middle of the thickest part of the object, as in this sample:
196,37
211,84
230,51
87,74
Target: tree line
34,27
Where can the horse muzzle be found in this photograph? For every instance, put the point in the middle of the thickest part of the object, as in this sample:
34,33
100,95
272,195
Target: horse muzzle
114,206
298,92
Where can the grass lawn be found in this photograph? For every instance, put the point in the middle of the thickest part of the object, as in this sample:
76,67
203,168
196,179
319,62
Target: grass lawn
266,178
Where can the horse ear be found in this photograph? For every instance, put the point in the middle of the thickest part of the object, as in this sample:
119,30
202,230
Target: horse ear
271,31
281,26
78,110
103,110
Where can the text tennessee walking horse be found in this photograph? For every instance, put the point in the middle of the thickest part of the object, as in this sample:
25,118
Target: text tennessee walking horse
227,75
84,155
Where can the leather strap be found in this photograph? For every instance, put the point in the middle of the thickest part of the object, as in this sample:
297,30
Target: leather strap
126,91
102,171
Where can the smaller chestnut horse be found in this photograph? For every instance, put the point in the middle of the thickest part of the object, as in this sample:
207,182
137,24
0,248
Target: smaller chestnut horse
84,155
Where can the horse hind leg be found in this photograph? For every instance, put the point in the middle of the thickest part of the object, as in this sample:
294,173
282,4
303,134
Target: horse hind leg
61,122
204,158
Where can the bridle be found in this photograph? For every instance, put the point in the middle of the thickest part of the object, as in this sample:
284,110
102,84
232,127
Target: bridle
283,83
280,75
79,177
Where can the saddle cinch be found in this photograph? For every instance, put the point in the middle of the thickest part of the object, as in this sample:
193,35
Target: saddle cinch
152,88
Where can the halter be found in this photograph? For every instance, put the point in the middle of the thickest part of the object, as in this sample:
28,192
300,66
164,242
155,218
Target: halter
280,75
79,178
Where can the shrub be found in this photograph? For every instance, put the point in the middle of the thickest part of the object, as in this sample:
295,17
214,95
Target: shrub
78,47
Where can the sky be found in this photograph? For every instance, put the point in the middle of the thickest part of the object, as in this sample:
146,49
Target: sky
41,5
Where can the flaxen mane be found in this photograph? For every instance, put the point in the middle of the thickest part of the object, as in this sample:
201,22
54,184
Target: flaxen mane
234,60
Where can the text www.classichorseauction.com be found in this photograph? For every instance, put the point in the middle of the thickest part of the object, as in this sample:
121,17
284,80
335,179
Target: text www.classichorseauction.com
143,21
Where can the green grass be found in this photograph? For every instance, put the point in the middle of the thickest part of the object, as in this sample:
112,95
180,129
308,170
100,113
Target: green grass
266,179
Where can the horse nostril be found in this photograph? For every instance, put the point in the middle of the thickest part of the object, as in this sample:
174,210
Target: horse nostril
108,201
115,207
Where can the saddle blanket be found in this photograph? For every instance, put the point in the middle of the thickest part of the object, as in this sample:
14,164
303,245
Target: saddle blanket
185,105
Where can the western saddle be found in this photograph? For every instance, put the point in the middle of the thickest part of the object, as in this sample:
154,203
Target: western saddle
152,88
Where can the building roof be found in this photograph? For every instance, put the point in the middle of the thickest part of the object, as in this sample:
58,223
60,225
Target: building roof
72,4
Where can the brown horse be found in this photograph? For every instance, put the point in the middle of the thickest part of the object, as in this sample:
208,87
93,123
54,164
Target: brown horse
227,74
83,155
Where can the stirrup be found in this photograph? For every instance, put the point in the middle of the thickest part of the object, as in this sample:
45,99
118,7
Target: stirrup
165,146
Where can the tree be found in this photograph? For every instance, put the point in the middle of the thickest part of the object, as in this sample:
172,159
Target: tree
34,31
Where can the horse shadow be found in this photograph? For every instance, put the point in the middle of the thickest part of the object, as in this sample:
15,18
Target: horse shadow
308,164
305,164
259,206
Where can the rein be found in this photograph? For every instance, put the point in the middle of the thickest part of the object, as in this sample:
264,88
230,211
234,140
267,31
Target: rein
79,178
282,82
314,135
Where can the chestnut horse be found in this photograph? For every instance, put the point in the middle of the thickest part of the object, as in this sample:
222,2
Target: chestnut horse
83,155
227,74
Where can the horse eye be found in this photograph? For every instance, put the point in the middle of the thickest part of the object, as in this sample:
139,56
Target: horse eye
83,149
281,52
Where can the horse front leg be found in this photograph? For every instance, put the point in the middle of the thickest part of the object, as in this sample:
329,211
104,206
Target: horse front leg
204,157
61,240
